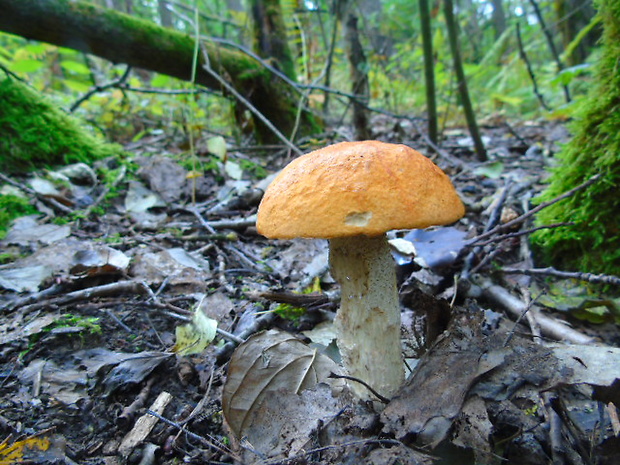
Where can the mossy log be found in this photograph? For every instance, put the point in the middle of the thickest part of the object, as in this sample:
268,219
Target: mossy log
35,133
121,38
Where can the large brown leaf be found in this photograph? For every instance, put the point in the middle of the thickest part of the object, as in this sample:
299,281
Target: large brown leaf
268,369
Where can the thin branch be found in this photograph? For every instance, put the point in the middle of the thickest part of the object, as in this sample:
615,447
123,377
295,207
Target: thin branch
550,271
383,399
530,71
96,89
533,211
48,200
551,43
210,442
247,104
511,235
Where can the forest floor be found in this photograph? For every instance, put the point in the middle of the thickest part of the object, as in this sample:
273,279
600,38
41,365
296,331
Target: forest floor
507,367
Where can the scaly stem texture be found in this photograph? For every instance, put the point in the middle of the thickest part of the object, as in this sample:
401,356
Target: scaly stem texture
368,322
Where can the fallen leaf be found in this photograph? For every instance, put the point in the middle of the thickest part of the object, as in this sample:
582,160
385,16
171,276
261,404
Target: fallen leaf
98,261
217,146
25,279
194,337
265,367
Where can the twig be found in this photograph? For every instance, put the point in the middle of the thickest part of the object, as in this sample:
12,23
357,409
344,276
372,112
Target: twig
383,399
48,200
88,293
512,235
454,161
550,271
550,327
520,317
551,43
211,442
97,88
533,211
530,71
247,104
494,218
264,321
144,425
127,415
555,429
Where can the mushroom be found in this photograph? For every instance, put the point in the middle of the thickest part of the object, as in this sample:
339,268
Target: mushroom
352,193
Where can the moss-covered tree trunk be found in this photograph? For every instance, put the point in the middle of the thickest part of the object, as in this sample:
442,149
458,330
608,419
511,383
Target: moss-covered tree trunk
593,243
270,39
123,39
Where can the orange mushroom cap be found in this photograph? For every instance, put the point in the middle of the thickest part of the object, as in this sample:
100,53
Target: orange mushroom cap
357,188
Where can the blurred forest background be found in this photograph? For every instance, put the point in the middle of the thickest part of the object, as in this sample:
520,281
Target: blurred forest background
523,59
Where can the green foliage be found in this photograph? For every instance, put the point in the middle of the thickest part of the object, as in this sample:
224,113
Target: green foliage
89,324
35,133
11,207
593,243
290,312
498,79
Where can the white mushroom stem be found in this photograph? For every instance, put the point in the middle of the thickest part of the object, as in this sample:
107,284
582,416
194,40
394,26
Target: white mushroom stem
368,322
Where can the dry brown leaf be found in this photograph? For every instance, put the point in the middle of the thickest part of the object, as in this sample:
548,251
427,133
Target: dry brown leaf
268,365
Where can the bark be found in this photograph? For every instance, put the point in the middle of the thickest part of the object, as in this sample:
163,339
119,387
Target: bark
572,17
499,18
270,39
468,109
164,13
359,80
123,39
357,69
429,70
551,43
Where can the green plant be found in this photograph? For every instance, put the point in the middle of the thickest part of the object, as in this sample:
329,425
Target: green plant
290,312
89,324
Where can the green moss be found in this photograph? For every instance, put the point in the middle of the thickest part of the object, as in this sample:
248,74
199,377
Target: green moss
593,243
11,207
34,133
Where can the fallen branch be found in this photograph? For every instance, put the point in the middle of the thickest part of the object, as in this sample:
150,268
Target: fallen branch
246,103
114,289
550,271
550,327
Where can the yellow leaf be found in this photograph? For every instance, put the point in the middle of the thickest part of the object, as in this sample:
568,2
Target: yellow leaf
194,337
16,452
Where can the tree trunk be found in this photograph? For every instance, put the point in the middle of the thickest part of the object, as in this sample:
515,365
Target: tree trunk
468,109
551,44
124,39
270,39
165,17
358,65
359,79
572,17
429,70
499,18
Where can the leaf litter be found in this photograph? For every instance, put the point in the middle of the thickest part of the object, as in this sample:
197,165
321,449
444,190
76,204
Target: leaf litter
92,310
